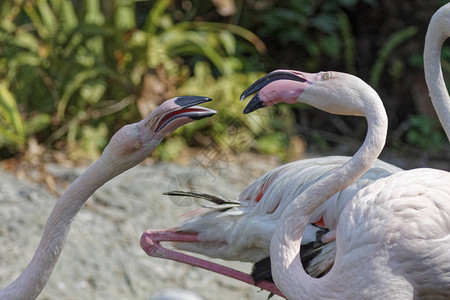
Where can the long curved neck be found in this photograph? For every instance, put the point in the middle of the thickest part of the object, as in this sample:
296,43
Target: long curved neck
434,40
34,278
287,270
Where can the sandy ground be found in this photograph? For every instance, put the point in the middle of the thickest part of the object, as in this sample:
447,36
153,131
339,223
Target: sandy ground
102,258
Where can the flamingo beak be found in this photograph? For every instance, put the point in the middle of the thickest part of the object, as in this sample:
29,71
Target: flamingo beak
179,111
286,76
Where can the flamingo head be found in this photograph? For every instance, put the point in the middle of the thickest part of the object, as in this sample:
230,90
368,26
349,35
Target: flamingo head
134,142
334,92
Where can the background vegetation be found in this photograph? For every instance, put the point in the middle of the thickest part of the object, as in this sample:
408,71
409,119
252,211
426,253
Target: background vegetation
73,72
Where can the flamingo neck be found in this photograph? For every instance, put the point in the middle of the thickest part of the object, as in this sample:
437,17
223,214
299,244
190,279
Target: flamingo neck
287,270
434,40
36,275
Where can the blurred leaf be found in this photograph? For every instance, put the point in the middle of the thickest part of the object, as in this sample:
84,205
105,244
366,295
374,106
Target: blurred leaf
90,140
332,46
423,133
93,91
393,42
124,18
47,16
68,16
26,40
228,41
221,27
94,14
42,31
348,41
325,22
155,16
72,87
37,123
12,117
171,149
416,60
272,143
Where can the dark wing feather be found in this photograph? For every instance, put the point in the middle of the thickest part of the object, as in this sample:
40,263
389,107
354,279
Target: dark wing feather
208,197
262,269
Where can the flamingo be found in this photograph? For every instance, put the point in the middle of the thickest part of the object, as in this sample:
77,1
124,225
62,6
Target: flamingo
330,91
391,237
337,93
127,148
241,229
437,33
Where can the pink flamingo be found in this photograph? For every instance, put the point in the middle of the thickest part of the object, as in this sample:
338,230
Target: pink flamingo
284,86
128,147
283,90
241,229
393,236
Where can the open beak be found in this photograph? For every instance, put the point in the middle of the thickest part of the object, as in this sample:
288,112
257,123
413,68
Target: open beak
181,110
256,102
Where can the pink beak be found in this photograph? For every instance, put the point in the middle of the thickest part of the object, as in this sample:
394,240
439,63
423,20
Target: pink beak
275,87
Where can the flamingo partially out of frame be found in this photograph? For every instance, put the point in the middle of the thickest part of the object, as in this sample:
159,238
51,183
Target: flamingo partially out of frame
127,148
393,236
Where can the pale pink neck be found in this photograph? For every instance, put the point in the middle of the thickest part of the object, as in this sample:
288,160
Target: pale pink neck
432,64
287,270
34,278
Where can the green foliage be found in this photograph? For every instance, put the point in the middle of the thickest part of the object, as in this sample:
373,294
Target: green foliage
423,133
171,148
230,129
72,72
74,69
392,42
271,143
348,42
57,62
375,40
12,128
321,30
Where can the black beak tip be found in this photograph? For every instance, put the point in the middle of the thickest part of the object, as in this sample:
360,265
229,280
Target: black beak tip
254,104
203,115
187,101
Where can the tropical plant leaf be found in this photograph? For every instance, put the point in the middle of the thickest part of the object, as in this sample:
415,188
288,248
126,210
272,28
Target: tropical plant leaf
393,42
11,115
77,82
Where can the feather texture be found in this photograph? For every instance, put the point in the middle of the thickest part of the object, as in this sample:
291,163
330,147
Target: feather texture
241,229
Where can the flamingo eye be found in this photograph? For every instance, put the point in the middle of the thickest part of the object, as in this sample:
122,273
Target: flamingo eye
326,76
137,145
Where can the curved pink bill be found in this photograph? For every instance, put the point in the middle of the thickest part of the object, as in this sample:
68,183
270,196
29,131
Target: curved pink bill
276,87
151,243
